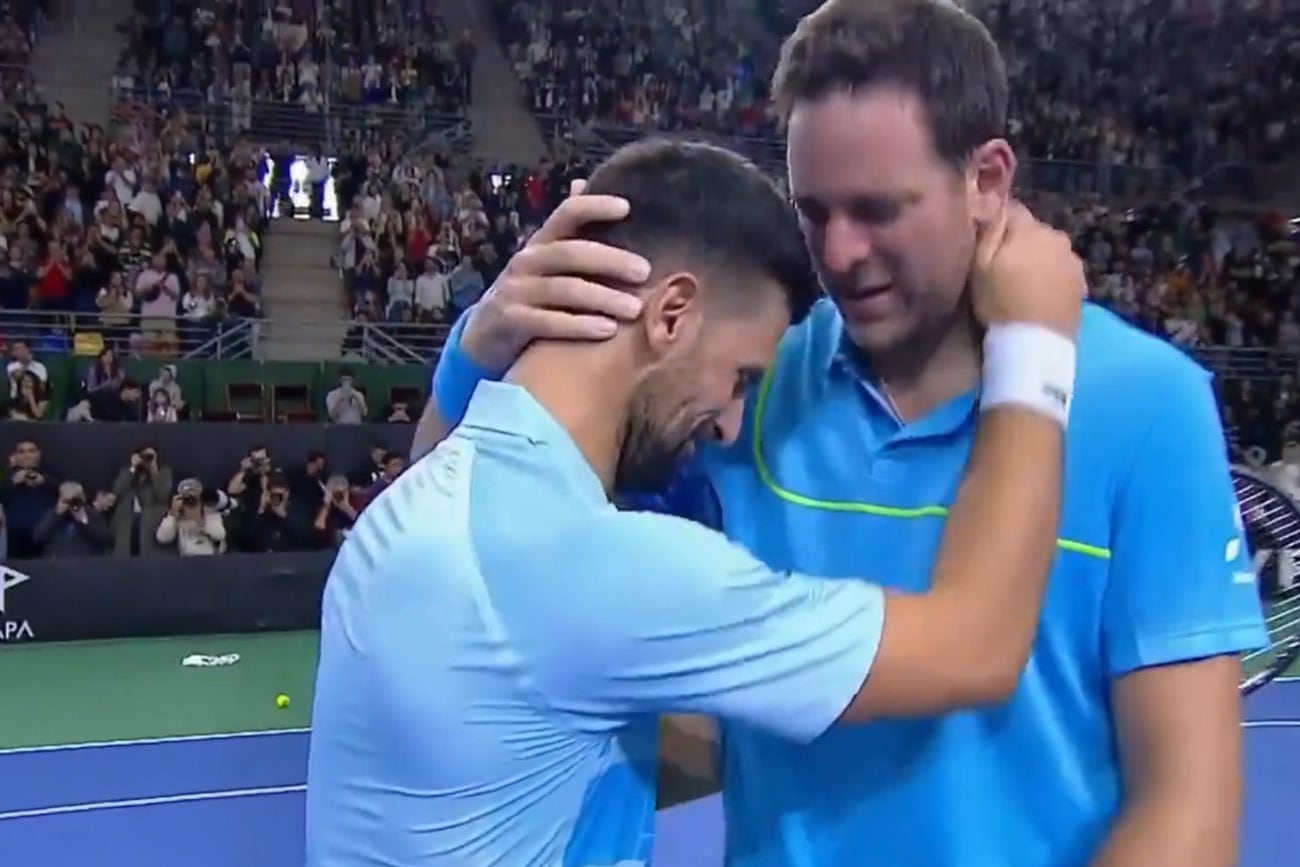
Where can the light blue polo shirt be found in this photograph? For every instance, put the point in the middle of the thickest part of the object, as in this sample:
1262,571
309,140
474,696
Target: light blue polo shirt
497,643
826,479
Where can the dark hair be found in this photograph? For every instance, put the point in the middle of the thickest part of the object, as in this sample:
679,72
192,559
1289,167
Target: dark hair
932,47
710,205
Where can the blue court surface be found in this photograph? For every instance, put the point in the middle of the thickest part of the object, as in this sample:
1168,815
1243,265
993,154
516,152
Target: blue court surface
236,800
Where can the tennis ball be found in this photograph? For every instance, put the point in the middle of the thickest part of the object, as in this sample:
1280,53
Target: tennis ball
282,701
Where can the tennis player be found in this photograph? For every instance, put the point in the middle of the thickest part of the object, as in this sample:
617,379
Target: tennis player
1122,744
498,640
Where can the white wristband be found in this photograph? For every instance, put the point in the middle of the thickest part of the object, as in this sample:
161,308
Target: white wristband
1030,366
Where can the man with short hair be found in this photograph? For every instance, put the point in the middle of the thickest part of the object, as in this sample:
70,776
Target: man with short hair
21,361
497,639
344,403
1122,745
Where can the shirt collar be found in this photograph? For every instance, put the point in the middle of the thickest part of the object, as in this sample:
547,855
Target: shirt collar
848,361
506,408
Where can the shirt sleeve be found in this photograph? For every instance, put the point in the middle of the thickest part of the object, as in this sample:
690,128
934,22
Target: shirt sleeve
662,615
1181,583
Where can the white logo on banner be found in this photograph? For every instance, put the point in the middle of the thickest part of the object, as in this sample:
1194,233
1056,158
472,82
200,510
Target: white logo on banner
12,630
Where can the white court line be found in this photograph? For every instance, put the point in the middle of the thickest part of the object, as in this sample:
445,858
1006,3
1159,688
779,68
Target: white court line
178,739
150,802
1271,724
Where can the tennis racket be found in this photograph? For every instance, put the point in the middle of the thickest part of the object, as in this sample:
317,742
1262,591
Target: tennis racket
1272,524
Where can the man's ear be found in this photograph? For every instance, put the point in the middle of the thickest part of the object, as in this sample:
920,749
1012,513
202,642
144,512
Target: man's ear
672,313
990,174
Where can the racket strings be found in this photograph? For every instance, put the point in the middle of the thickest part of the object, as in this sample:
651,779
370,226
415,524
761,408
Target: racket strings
1272,523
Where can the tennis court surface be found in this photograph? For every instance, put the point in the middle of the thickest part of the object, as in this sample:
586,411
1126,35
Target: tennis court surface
113,754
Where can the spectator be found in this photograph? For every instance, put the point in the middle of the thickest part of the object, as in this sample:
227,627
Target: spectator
142,494
161,409
432,291
102,385
277,525
21,361
336,514
370,469
401,292
4,537
307,481
30,404
191,526
344,403
126,406
392,465
27,493
115,302
159,292
166,384
71,528
398,412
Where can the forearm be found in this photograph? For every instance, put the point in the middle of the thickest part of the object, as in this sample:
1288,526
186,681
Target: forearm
1158,828
999,542
429,431
966,641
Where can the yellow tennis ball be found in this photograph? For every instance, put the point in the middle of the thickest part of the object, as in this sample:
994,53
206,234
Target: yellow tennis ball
282,701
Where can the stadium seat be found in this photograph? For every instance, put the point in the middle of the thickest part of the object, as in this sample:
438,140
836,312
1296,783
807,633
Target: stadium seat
247,400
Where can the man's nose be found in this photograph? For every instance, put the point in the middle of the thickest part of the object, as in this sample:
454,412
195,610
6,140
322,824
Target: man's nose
845,245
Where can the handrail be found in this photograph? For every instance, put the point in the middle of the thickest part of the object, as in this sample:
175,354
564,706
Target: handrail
78,333
323,125
414,342
385,344
1044,175
237,339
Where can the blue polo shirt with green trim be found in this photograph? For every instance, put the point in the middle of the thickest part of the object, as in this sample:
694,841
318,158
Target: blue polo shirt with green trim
826,479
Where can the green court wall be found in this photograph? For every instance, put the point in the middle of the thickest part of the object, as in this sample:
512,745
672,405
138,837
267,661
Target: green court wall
205,384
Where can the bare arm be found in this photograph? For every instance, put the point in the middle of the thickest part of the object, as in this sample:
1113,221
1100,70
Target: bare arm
1180,748
429,431
966,641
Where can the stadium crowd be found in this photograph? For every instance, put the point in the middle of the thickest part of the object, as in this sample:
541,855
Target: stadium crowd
1087,86
118,223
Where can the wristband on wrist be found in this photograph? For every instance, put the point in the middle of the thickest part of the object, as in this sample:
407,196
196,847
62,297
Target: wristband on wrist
457,375
1029,366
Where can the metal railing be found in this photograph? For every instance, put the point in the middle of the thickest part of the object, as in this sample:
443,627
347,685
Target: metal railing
1247,362
1069,177
70,333
327,126
63,333
395,342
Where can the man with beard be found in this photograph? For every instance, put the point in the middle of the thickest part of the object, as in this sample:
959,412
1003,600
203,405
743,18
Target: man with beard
1123,745
497,639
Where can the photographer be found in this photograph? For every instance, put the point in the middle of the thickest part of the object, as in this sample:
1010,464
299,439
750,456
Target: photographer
142,490
72,528
336,514
27,493
192,527
277,526
247,487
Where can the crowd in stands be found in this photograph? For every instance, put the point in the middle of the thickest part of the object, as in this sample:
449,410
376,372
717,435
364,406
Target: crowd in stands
122,224
1159,85
424,238
237,61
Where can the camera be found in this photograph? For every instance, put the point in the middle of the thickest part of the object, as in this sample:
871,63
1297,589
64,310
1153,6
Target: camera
189,501
76,502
